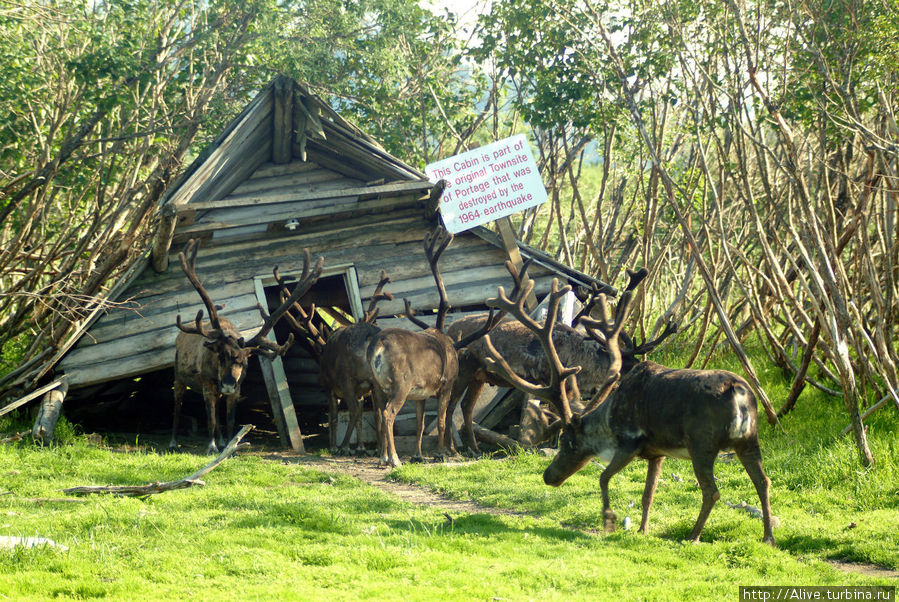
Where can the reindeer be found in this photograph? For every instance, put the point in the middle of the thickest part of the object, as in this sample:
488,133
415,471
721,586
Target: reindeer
344,371
417,365
522,349
212,356
655,412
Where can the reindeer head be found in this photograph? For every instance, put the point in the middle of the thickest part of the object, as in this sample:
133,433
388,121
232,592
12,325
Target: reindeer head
223,340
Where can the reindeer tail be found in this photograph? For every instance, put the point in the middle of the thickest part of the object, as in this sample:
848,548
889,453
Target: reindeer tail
742,423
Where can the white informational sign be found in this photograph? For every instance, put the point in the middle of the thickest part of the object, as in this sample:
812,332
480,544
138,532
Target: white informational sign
487,183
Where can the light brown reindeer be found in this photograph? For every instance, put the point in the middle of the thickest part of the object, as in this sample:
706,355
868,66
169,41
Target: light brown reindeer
414,366
522,349
212,356
344,371
655,412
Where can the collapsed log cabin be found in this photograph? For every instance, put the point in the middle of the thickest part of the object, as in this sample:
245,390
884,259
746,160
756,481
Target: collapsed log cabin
288,173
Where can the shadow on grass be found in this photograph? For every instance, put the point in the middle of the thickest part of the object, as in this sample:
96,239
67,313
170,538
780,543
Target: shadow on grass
486,525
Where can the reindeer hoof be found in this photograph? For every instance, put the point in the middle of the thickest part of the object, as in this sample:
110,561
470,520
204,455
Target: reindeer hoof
608,521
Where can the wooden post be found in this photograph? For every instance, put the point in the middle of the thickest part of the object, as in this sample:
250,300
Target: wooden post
282,405
163,241
278,389
510,244
48,416
282,120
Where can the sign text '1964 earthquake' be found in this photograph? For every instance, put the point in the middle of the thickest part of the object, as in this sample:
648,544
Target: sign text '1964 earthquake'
487,183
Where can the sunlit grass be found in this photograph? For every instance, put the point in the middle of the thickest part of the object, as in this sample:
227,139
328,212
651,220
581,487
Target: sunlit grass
266,529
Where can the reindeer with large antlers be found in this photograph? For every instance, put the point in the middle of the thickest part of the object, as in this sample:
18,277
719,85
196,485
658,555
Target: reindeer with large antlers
417,365
344,372
655,412
521,347
212,356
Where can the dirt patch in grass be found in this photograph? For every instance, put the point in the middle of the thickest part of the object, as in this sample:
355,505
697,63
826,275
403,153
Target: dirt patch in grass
367,470
870,570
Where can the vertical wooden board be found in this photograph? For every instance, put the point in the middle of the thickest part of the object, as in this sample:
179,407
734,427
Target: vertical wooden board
510,244
279,391
282,121
351,281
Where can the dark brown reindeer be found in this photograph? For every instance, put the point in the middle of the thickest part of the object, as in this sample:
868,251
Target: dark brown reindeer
344,371
655,412
414,366
522,349
212,356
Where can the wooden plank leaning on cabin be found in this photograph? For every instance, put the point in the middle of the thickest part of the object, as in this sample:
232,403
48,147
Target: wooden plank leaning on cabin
278,389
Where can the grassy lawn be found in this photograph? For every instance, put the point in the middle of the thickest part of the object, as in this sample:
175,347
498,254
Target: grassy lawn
266,529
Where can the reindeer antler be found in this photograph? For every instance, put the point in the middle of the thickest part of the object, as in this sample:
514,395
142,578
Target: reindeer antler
610,331
372,314
188,259
494,318
436,243
308,278
307,329
556,392
645,347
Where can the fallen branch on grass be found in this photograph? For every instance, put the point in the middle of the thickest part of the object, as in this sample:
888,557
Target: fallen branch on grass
487,436
157,487
15,437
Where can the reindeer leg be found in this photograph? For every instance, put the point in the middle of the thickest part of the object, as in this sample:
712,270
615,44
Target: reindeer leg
471,396
377,409
178,392
751,457
332,421
210,396
230,415
444,424
380,409
621,459
355,409
703,468
652,479
419,429
388,416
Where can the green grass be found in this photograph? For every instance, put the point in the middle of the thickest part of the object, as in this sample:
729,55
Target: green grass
265,529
